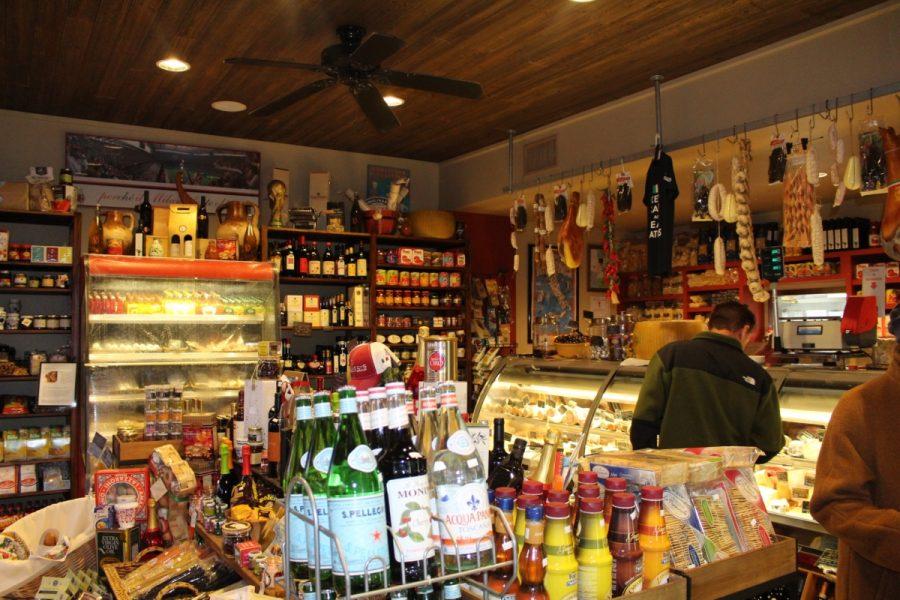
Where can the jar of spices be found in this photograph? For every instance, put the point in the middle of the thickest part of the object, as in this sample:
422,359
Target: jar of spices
5,279
13,253
382,320
48,281
256,452
25,252
65,322
20,280
435,299
233,533
380,277
407,298
35,360
34,282
457,300
254,434
40,322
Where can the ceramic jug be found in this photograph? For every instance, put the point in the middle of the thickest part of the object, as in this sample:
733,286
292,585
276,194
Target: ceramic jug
233,220
117,236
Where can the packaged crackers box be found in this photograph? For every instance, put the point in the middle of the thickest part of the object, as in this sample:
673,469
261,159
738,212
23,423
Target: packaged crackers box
4,245
700,468
407,256
684,529
27,479
749,509
639,468
110,484
717,519
9,480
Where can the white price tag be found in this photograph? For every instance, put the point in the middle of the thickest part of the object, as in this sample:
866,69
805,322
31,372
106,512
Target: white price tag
158,489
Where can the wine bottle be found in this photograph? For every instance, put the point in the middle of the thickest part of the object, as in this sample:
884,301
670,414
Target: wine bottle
302,259
328,261
510,473
202,220
315,263
226,479
296,466
498,454
462,502
340,264
273,439
152,536
245,491
316,474
403,470
356,508
289,260
351,262
544,471
362,263
427,429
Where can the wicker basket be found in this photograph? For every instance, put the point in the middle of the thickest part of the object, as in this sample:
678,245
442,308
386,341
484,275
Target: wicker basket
116,571
82,558
439,224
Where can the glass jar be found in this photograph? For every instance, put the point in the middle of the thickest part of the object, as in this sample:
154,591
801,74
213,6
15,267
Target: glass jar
48,281
34,282
426,298
382,320
379,298
404,279
13,254
434,279
435,300
254,435
233,533
25,252
380,277
457,300
25,322
20,280
393,277
62,280
5,279
35,360
460,259
416,299
256,453
414,279
40,322
407,298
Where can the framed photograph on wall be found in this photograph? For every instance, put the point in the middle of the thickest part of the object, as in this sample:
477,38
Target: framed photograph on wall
596,266
379,180
553,296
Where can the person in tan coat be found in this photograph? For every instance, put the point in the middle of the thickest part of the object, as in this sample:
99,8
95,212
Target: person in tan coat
857,492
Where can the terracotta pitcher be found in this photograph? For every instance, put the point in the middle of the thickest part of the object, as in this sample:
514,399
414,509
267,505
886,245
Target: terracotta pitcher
117,236
234,218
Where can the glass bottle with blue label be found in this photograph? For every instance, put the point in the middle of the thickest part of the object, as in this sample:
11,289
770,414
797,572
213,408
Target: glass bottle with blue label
321,440
356,508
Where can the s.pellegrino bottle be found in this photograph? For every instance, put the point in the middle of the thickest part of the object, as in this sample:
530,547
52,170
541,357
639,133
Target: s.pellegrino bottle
297,550
404,469
320,449
462,502
356,509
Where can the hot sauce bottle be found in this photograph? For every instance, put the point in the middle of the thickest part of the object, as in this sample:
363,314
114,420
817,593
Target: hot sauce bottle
653,538
628,558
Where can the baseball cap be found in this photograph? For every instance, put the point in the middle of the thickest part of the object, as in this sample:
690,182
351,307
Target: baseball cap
367,362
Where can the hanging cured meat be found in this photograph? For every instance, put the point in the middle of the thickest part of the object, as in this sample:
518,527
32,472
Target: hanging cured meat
608,237
890,220
740,166
798,207
571,235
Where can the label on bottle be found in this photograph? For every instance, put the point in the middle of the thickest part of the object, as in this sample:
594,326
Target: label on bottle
324,541
461,443
351,270
273,451
362,267
328,267
594,582
359,523
289,263
322,460
303,412
379,418
397,417
298,530
315,267
303,460
467,514
408,500
362,459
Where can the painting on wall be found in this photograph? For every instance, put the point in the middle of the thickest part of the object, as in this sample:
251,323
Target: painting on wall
379,180
596,269
115,171
554,296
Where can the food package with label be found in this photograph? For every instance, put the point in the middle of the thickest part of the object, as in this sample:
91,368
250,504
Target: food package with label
124,485
684,529
638,468
749,509
167,464
732,456
9,480
14,445
701,468
716,516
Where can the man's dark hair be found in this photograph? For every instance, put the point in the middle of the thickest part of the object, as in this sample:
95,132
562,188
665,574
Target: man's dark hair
731,316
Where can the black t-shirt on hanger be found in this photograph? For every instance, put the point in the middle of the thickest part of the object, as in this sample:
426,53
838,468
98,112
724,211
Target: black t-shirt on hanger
660,192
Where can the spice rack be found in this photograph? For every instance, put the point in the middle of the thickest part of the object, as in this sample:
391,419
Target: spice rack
57,229
378,245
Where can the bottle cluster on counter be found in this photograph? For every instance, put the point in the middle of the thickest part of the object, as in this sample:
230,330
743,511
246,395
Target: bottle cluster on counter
297,258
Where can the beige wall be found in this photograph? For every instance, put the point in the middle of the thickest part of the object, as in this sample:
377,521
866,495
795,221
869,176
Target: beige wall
29,139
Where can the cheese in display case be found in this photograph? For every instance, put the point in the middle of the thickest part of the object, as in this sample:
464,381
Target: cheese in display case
590,404
191,328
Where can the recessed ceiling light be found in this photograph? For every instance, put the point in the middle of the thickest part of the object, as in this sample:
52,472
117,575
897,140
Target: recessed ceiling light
823,174
394,101
175,65
229,105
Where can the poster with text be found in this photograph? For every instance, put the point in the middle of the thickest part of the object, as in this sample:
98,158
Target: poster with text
57,384
379,180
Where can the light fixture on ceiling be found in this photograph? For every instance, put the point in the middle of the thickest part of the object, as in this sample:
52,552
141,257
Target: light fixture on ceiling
823,174
394,101
582,1
229,105
175,65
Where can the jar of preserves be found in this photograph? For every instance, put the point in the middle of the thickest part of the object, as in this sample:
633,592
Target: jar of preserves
389,298
48,281
25,252
379,298
404,279
444,279
381,321
407,298
13,253
435,299
393,277
460,259
380,277
426,298
34,282
433,279
416,298
52,321
65,322
5,279
457,300
20,280
35,360
414,279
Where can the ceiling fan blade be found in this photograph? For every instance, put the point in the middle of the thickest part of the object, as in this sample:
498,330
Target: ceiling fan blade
432,83
375,49
283,64
295,96
371,102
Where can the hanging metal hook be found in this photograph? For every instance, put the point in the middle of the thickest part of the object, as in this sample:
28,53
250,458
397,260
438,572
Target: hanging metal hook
871,107
827,115
812,119
734,138
745,131
850,108
775,121
796,121
702,151
837,107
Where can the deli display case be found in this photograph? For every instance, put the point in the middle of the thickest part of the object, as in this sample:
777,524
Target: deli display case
195,325
589,405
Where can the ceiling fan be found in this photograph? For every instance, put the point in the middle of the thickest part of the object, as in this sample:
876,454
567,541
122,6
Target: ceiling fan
357,64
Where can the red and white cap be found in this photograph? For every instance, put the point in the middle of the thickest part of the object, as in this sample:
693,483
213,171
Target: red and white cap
367,362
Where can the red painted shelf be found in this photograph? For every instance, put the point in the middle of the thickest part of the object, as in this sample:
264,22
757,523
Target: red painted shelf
660,298
714,288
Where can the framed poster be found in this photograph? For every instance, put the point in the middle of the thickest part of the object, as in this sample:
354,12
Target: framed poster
551,296
115,172
379,180
596,267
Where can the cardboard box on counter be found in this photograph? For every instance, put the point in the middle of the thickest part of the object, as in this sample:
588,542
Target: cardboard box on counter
117,545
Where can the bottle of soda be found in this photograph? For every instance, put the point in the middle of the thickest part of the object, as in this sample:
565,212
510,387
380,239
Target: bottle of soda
628,558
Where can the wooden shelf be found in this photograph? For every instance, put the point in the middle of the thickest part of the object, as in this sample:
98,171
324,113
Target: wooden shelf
428,288
11,215
424,308
30,494
698,309
19,378
37,290
317,234
399,240
421,268
416,328
34,331
887,280
325,280
36,415
327,329
214,542
835,278
31,266
35,461
659,298
724,287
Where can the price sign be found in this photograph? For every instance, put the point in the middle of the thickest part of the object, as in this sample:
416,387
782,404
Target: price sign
773,263
303,329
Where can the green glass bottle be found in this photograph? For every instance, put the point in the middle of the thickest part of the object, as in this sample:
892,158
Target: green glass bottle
320,449
299,446
356,509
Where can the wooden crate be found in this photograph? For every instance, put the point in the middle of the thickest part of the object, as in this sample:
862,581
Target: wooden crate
676,589
140,450
741,572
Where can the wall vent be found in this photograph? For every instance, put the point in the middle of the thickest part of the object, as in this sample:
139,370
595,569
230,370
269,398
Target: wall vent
540,155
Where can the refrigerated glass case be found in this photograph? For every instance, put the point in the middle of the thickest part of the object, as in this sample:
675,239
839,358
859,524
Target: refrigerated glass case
590,405
197,324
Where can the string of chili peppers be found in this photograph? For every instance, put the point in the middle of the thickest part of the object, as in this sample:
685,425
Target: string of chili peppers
607,233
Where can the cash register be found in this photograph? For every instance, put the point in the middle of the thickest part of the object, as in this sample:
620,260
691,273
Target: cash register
826,322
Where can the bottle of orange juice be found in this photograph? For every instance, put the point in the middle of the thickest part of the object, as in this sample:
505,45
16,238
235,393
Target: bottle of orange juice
561,576
653,538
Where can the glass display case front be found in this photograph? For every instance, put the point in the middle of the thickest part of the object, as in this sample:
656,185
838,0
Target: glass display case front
590,404
193,324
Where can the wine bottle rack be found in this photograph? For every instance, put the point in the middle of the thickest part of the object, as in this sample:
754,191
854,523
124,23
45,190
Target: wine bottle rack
477,577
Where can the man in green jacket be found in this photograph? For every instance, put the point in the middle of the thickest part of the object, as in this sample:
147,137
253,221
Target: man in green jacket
707,392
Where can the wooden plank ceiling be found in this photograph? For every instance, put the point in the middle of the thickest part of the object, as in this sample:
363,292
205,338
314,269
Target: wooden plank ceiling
538,61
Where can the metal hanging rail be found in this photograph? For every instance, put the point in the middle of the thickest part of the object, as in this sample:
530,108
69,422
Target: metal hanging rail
796,114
